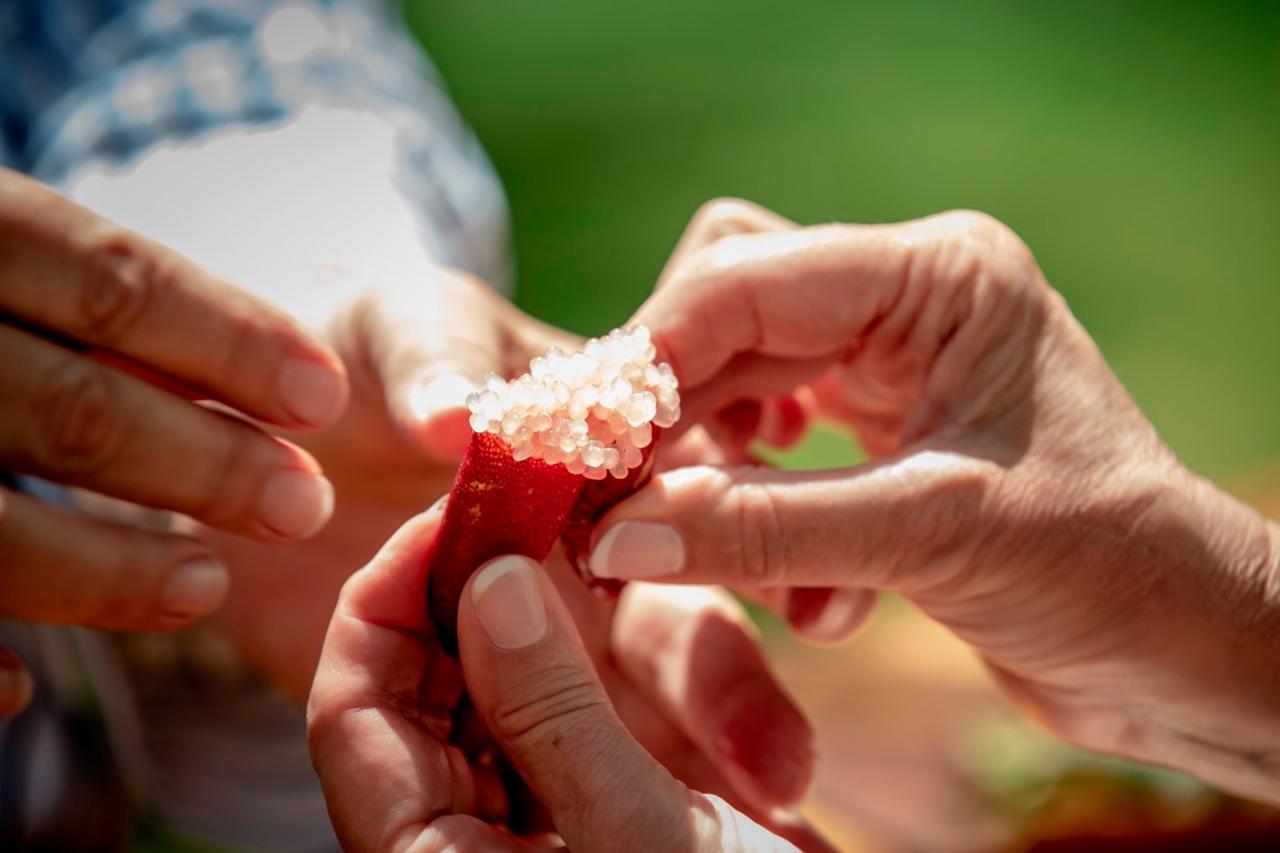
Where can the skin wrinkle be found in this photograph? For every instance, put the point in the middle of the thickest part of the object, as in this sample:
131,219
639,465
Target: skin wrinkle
762,536
75,431
560,694
1068,513
953,567
121,283
1268,568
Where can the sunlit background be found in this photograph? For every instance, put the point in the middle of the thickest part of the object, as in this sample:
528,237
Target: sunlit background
1135,146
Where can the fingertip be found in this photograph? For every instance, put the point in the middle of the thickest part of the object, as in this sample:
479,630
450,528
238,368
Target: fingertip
194,589
637,550
463,832
827,616
439,419
295,504
784,422
444,438
764,741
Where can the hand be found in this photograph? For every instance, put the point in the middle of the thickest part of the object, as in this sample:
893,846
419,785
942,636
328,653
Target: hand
334,242
85,307
404,762
413,350
1016,493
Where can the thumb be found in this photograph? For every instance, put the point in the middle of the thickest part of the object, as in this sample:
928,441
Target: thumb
896,523
431,345
532,681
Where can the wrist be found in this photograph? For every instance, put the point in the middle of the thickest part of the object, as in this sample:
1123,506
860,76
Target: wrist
1216,699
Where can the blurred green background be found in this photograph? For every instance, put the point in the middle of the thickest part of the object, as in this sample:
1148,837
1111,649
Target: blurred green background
1135,146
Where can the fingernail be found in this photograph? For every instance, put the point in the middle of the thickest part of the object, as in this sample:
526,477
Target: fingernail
295,503
445,393
638,549
194,588
311,392
509,603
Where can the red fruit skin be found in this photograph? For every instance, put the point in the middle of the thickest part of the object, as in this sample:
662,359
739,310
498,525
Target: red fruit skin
500,506
497,506
597,498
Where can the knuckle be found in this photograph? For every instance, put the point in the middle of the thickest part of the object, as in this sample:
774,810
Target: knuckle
973,224
321,718
983,242
78,429
761,539
950,520
124,277
722,216
984,272
544,708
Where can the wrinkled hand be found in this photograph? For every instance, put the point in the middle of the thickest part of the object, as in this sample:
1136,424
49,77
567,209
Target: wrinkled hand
1015,492
86,309
407,763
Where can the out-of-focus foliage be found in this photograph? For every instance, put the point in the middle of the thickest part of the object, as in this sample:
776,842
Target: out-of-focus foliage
1136,147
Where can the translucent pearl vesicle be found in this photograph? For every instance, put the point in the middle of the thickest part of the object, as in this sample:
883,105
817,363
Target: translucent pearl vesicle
593,410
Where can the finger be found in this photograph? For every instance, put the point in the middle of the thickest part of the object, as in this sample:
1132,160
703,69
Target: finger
378,713
720,218
453,833
898,523
694,651
432,345
696,446
533,682
753,377
82,278
827,615
819,615
16,687
381,641
785,419
816,292
65,569
80,423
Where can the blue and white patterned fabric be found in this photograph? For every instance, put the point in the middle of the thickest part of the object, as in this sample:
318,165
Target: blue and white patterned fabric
94,85
104,80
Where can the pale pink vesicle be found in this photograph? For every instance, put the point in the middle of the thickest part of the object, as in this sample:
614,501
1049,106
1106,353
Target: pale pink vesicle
592,411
